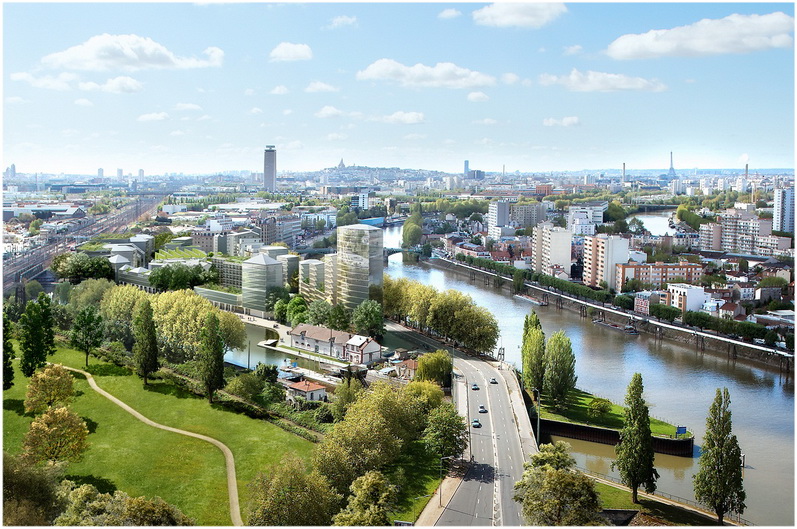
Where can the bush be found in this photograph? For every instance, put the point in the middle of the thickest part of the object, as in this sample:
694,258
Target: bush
246,386
599,407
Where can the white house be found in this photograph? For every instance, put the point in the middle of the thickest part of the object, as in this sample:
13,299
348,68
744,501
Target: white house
307,390
337,344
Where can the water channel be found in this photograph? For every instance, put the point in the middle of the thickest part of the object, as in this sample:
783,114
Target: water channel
680,384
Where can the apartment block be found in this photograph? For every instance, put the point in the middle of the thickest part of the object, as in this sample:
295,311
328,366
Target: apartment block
527,215
590,211
656,274
687,297
498,214
550,248
602,254
783,216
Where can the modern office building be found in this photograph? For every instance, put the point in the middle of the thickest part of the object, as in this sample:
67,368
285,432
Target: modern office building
359,263
592,212
270,169
258,274
783,217
602,254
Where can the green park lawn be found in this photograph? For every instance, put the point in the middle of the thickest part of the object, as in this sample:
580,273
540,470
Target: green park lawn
420,478
128,455
617,498
576,412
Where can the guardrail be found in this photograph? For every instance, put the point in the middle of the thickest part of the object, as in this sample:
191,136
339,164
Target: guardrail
678,499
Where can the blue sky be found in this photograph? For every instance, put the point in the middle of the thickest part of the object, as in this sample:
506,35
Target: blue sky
200,88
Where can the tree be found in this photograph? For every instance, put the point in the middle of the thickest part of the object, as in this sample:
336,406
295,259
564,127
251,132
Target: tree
30,492
411,234
435,366
552,493
280,309
47,388
88,506
664,312
118,308
533,358
56,435
287,495
296,306
429,394
346,393
318,312
719,482
210,360
87,331
372,498
89,292
446,432
33,288
560,370
36,336
8,354
145,349
267,372
246,386
635,452
368,319
339,318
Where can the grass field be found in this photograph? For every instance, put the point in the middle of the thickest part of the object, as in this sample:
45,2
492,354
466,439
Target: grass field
616,498
421,476
128,455
577,412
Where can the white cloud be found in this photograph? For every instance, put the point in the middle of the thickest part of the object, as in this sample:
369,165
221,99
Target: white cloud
336,136
572,50
287,51
591,81
255,110
449,13
70,133
15,100
204,117
287,112
117,85
564,122
294,145
442,74
154,116
249,92
177,133
413,137
485,121
478,97
187,106
485,141
328,112
59,82
403,118
341,21
279,90
318,86
510,14
128,53
732,34
83,102
510,78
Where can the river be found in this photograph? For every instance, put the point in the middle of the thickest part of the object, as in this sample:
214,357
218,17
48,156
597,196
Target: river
680,384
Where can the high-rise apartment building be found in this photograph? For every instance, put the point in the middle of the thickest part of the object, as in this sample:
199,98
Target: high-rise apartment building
498,214
270,169
358,264
783,218
602,254
527,215
100,172
466,174
550,248
656,274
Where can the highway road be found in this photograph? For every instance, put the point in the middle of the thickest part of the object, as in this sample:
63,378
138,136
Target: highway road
485,495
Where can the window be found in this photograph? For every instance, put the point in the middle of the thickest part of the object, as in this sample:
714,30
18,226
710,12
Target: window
316,348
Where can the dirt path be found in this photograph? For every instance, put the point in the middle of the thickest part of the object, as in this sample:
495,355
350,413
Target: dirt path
232,483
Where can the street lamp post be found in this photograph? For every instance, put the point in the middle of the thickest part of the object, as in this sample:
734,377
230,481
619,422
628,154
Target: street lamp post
537,398
440,489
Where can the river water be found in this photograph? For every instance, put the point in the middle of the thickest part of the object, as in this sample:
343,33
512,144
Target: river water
680,385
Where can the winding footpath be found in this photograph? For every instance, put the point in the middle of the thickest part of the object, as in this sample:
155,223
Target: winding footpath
232,483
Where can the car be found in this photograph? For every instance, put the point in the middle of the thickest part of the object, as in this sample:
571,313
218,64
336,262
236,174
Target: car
476,423
482,409
493,381
474,387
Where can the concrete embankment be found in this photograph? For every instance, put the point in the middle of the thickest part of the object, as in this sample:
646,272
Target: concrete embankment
703,341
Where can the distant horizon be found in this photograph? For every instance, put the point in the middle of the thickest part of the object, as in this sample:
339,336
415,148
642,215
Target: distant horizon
537,87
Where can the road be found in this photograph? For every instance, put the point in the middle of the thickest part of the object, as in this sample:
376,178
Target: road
485,495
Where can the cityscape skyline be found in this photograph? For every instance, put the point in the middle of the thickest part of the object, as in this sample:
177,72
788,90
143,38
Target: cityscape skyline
528,87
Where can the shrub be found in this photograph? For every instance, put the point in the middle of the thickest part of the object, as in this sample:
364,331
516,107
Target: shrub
245,386
599,407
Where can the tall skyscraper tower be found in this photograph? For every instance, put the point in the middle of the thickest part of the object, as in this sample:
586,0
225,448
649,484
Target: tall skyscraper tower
672,174
784,210
270,169
467,169
360,263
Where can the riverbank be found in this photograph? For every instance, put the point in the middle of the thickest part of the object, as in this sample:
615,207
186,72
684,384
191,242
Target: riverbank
702,340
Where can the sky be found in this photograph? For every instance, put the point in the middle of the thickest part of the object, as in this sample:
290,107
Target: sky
204,87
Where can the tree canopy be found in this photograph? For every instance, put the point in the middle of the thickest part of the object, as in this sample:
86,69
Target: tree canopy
635,451
56,435
52,386
560,370
87,330
36,335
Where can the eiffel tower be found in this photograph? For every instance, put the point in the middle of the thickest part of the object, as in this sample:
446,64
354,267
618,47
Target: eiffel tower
672,174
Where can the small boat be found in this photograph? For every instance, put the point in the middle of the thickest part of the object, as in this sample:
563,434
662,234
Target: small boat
628,329
532,300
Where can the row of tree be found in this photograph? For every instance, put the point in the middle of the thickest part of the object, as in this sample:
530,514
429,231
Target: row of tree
450,314
548,367
366,319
